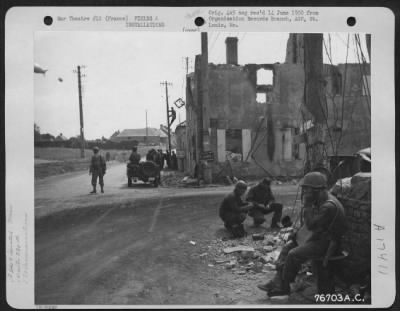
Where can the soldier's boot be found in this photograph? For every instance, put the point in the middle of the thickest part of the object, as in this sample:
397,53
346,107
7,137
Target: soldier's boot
94,190
102,189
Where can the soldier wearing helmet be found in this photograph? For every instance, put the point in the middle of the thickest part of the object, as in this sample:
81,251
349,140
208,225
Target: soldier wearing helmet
326,223
233,210
264,203
97,169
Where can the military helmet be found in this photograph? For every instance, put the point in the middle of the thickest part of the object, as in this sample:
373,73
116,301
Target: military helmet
364,154
241,185
95,148
315,180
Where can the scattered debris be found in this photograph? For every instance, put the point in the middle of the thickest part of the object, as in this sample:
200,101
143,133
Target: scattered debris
210,265
258,236
231,264
270,240
247,254
240,248
268,248
187,181
269,267
192,242
219,261
203,254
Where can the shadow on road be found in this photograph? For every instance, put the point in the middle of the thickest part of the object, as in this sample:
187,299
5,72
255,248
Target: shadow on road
137,186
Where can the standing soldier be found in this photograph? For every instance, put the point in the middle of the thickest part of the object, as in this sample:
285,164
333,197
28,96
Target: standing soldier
264,203
174,161
97,169
161,158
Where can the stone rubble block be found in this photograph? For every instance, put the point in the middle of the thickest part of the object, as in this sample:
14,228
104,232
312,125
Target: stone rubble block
239,248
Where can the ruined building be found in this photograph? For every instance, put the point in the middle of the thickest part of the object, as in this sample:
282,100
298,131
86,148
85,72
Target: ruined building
309,113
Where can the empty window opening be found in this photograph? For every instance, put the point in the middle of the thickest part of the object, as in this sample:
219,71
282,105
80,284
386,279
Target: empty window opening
265,77
261,98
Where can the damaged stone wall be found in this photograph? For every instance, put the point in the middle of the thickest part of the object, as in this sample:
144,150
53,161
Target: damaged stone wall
283,119
233,105
276,124
354,132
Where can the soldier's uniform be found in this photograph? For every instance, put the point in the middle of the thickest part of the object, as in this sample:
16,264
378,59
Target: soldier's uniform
97,169
327,223
233,212
261,194
134,158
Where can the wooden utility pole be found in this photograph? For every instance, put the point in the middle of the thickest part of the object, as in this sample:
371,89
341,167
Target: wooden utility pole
81,113
204,91
187,65
313,66
205,117
168,125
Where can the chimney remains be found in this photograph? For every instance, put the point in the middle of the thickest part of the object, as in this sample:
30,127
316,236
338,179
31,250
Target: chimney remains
231,50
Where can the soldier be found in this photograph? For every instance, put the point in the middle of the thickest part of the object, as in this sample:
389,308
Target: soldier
233,210
172,115
325,221
134,158
264,203
161,157
97,169
174,161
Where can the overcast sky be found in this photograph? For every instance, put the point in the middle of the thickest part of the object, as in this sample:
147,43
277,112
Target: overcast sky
124,70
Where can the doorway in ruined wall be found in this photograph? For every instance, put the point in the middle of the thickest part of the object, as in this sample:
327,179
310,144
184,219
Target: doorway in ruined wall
234,145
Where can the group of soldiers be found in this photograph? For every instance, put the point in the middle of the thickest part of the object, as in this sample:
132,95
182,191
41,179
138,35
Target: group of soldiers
259,202
98,165
319,237
324,222
160,158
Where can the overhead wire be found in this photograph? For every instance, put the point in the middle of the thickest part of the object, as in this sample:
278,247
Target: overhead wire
358,40
343,95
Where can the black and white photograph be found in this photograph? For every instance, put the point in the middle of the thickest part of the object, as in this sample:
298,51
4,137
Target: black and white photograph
213,168
200,157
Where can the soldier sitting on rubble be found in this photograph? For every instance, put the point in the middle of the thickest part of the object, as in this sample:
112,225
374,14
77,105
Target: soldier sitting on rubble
233,210
263,201
324,225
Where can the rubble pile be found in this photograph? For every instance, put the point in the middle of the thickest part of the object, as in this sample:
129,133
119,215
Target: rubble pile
255,253
171,178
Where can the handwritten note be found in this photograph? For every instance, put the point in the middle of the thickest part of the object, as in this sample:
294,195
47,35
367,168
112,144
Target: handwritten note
17,249
381,252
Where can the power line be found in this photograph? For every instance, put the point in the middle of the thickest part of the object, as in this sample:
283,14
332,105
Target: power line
212,45
361,66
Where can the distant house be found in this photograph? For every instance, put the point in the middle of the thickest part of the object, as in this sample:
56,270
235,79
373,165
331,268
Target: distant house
146,136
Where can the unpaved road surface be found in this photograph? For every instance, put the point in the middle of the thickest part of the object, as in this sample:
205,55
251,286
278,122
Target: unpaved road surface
133,245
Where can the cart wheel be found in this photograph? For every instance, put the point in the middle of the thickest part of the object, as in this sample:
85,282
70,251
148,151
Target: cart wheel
129,182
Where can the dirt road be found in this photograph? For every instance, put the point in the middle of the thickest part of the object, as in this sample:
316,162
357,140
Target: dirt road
133,245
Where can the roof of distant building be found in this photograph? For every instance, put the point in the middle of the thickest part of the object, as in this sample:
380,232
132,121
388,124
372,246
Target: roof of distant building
141,132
